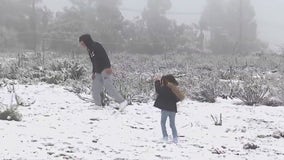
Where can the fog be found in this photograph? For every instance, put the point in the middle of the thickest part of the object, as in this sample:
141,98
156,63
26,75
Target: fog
145,26
268,14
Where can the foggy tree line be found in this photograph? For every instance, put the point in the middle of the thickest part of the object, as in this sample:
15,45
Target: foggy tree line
232,26
226,26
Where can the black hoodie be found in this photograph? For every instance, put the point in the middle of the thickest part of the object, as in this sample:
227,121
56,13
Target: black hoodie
97,54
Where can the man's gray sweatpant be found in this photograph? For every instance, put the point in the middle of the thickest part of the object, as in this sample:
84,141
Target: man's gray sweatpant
101,81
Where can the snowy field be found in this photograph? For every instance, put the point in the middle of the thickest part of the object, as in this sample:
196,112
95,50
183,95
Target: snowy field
59,125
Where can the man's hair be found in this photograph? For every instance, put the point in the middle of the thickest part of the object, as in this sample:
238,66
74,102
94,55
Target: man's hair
84,37
87,39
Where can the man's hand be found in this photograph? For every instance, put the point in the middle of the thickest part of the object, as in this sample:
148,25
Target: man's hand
93,76
108,71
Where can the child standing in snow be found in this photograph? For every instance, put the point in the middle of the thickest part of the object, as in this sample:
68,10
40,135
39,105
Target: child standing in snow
168,96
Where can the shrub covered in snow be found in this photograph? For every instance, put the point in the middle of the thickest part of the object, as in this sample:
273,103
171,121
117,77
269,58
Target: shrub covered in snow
280,92
203,79
10,114
205,90
69,69
254,90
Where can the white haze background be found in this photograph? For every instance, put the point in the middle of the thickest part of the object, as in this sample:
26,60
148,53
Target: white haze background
269,14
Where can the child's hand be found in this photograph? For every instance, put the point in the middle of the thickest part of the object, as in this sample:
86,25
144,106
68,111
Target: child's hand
157,79
157,76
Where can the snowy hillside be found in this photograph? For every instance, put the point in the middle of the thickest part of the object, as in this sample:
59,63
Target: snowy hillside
59,125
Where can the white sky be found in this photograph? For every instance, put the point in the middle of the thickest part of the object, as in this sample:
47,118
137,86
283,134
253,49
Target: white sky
269,14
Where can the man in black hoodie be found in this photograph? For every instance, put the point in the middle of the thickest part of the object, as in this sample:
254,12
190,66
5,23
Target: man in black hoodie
102,72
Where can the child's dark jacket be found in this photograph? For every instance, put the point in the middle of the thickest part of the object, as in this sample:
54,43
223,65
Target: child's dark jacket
166,99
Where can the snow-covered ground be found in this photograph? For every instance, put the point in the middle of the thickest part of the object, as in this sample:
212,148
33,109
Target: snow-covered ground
59,125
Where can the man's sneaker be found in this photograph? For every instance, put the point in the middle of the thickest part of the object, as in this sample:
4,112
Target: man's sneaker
122,106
